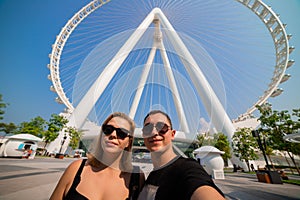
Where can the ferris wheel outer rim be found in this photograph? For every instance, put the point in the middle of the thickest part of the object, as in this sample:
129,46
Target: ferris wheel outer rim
58,46
274,84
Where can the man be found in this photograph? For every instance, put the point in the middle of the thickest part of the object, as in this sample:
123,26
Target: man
173,177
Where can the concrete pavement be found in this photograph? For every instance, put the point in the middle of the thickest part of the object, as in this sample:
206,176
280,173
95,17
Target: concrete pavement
246,186
35,179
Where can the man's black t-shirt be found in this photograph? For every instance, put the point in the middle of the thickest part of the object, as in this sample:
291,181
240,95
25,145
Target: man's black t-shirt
176,180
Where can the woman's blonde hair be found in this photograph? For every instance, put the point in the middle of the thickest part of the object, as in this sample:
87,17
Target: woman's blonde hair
96,151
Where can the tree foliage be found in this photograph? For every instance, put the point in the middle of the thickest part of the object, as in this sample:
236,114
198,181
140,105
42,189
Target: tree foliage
219,140
205,139
223,144
75,136
35,127
8,128
275,125
296,114
55,125
244,145
199,140
3,105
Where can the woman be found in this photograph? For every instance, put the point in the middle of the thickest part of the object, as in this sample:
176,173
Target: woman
108,171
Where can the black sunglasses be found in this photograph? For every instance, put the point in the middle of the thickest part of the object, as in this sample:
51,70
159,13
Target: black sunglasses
161,128
121,132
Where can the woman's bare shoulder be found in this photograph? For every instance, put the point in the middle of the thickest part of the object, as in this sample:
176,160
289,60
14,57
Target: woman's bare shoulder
72,169
66,180
75,165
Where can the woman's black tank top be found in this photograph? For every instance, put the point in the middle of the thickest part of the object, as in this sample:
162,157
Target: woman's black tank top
72,194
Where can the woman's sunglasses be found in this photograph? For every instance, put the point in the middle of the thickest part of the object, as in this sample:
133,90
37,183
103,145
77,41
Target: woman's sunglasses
161,128
121,132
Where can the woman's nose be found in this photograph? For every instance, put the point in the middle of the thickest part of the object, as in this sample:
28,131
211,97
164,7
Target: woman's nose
113,135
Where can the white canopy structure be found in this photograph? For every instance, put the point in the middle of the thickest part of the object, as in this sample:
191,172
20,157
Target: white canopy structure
27,137
17,145
295,137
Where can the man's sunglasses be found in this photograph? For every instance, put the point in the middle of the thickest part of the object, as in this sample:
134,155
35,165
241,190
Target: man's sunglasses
161,128
121,132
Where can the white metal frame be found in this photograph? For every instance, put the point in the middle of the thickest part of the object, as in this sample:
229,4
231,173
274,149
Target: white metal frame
264,12
216,111
212,104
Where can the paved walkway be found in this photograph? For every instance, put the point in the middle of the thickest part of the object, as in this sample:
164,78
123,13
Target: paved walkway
35,179
246,186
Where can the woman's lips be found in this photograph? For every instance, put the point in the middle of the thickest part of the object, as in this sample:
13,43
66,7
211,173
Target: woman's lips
111,143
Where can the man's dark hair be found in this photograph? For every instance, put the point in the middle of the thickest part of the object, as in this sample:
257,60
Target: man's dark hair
161,112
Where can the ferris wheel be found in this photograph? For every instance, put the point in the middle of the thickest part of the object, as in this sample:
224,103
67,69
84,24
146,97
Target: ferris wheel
241,47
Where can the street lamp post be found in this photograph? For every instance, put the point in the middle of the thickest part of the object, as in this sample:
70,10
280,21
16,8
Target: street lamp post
273,175
62,143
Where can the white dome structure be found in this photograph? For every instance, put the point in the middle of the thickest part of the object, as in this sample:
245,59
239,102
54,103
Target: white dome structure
211,160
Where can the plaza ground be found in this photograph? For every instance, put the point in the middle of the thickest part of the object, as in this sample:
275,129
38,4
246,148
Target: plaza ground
36,179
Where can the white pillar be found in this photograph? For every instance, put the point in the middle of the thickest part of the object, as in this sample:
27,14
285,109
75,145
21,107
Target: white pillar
211,102
84,107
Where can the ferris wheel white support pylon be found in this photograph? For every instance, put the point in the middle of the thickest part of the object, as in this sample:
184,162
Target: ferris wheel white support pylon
212,104
84,107
210,100
158,44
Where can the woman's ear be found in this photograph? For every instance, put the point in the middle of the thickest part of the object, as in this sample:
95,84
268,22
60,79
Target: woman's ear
130,141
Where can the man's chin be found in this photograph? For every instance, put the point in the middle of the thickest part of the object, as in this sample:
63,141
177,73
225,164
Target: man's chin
158,149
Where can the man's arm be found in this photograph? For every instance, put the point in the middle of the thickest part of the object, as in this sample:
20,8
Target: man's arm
206,193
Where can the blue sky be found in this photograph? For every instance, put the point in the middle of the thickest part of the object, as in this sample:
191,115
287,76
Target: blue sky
29,28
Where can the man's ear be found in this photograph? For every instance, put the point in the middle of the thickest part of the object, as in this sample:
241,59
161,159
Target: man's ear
173,134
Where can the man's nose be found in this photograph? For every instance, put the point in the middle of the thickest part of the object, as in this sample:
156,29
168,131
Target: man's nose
154,131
